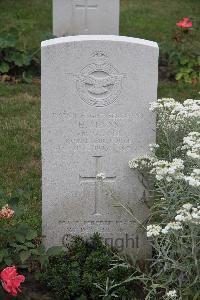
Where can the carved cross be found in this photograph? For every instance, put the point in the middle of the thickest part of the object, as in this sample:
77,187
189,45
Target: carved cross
98,184
85,7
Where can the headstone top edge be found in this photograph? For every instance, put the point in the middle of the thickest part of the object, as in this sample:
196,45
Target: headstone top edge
114,38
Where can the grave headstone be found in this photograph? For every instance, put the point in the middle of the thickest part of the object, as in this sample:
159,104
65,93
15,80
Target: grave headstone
96,92
75,17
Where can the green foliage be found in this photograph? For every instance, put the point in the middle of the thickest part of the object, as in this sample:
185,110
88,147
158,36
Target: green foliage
174,229
81,273
182,66
14,61
181,58
189,70
20,245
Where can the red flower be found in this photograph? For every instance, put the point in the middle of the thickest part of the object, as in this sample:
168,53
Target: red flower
184,23
11,280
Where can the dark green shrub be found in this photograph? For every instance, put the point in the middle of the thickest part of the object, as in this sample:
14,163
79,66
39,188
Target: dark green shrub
75,274
15,61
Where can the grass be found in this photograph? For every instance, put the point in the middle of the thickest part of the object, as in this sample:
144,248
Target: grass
32,19
20,165
20,146
155,20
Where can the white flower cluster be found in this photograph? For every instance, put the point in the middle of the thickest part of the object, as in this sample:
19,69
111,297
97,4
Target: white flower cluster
163,169
194,178
153,230
188,213
191,143
141,162
156,230
153,147
164,104
171,226
189,109
174,114
171,294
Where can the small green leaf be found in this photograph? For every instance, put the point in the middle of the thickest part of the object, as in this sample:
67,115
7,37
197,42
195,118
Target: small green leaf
14,204
18,247
4,67
34,251
41,249
20,59
8,261
13,201
21,247
43,259
31,235
27,77
184,60
7,41
3,254
24,255
2,194
178,76
13,244
23,229
30,245
20,238
54,251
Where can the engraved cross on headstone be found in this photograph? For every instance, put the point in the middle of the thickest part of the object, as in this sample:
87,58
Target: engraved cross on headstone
85,7
98,184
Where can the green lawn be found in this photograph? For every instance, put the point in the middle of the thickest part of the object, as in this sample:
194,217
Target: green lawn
20,165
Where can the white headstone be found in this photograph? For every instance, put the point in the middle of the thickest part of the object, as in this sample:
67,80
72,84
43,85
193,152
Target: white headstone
96,92
73,17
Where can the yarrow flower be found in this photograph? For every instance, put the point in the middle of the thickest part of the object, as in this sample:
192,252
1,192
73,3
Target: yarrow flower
100,176
6,212
187,206
153,230
175,115
171,226
141,162
194,178
190,109
185,23
153,147
168,170
171,294
188,213
191,143
164,104
11,280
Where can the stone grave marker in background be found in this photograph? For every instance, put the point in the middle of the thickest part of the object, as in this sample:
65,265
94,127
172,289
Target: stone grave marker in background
96,92
75,17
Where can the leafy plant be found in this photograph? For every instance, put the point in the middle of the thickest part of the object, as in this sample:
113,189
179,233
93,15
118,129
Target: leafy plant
180,58
175,214
14,61
83,272
20,245
189,69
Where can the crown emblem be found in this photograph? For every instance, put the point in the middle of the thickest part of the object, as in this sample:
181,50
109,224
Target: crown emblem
99,55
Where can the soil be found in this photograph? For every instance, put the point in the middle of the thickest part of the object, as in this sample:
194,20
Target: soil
32,290
164,73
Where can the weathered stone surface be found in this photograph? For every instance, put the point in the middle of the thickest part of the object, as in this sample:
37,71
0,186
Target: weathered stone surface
96,92
73,17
